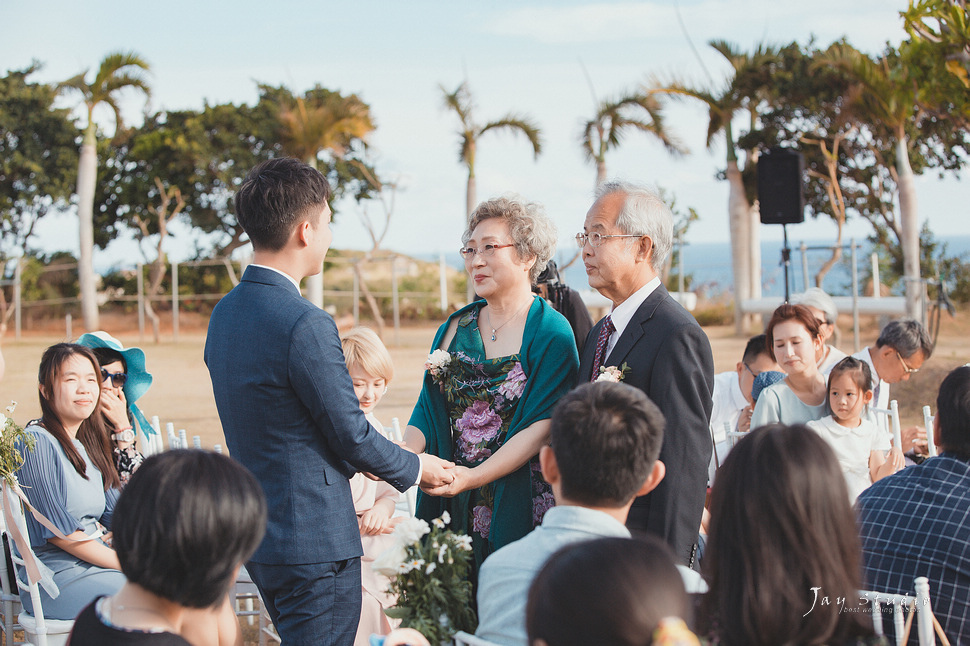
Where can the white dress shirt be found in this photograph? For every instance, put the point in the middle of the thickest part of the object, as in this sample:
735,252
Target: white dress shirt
623,313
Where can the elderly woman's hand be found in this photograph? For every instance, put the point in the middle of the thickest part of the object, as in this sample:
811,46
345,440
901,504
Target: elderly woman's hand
463,482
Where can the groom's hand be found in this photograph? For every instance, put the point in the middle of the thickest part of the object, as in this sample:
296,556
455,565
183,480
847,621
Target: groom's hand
435,471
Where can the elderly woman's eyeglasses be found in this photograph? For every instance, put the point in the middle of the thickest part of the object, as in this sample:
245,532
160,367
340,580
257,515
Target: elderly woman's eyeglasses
486,250
118,379
596,239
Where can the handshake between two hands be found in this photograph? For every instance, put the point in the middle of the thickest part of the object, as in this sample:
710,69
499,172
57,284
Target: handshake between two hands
443,478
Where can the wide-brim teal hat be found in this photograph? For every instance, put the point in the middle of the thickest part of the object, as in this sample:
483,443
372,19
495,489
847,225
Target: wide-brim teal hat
138,380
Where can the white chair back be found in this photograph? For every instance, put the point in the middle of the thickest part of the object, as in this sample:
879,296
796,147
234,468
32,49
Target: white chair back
411,495
9,597
928,425
247,603
38,630
900,604
892,413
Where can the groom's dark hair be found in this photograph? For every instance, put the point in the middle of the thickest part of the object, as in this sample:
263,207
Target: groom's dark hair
606,437
275,196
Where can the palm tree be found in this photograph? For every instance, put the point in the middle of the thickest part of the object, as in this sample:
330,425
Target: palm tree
330,122
118,71
740,93
884,93
461,102
613,119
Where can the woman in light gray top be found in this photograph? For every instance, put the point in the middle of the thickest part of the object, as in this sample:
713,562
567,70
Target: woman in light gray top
793,339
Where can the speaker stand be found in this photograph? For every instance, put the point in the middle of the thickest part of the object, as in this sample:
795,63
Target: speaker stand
786,260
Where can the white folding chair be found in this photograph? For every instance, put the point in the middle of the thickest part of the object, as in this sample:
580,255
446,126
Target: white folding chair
892,416
411,495
465,639
928,425
925,621
38,630
244,602
10,605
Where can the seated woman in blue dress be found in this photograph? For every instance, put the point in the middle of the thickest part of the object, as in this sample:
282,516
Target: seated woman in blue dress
72,490
499,366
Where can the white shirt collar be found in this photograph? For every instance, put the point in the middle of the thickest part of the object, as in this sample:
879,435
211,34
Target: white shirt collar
295,282
623,313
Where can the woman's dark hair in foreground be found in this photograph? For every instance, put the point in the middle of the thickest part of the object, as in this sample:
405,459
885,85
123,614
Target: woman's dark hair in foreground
782,531
185,522
605,591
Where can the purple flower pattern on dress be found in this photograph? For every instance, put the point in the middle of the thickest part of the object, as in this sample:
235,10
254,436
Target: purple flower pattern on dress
479,423
472,452
482,520
540,505
514,382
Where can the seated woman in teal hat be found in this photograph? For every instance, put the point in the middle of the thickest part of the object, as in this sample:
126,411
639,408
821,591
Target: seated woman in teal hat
124,381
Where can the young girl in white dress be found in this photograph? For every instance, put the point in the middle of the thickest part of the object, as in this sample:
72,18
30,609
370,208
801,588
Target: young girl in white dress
370,368
859,444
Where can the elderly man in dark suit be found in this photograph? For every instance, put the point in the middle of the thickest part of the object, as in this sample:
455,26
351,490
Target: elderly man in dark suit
289,412
657,346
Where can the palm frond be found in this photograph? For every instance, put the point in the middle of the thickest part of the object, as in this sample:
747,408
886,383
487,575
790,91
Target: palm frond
516,123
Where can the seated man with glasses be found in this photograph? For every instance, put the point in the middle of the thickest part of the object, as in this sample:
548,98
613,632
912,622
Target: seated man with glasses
733,402
124,381
899,352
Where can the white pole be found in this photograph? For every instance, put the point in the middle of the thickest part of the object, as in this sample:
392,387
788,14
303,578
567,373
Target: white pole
175,301
897,433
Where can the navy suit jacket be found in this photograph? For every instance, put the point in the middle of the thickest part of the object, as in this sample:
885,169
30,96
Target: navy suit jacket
290,416
670,360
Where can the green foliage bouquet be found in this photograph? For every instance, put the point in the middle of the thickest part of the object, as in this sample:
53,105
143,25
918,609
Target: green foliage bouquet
428,567
10,434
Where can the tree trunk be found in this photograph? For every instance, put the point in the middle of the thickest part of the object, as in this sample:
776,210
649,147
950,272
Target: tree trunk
739,220
87,171
600,172
470,206
371,301
909,227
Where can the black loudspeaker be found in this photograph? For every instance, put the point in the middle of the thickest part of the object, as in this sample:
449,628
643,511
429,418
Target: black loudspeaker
780,172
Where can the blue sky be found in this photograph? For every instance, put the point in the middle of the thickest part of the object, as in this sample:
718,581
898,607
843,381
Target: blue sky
523,56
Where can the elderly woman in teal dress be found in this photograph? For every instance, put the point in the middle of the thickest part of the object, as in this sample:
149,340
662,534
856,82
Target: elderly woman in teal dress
497,369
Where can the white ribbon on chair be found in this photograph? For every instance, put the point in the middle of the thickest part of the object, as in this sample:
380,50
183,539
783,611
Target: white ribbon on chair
37,572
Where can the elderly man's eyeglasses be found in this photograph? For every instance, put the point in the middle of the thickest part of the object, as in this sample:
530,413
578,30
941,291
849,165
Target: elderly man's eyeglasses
596,239
118,379
487,250
906,367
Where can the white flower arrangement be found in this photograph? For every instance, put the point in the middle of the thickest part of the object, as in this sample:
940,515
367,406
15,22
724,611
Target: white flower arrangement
438,365
612,373
428,568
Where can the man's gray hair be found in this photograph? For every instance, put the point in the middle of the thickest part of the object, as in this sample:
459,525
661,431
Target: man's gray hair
906,336
531,231
817,298
645,214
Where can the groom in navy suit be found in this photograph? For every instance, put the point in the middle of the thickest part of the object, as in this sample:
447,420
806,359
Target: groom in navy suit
289,412
626,240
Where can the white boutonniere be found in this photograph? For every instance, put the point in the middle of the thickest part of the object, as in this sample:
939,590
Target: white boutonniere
612,373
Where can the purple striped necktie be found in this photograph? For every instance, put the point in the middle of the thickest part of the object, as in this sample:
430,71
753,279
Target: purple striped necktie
601,342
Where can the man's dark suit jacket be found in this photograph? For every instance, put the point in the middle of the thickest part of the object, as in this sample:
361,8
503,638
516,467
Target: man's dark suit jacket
670,360
290,416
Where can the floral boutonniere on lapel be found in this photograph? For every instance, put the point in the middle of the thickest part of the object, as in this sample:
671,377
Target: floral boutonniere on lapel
612,373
